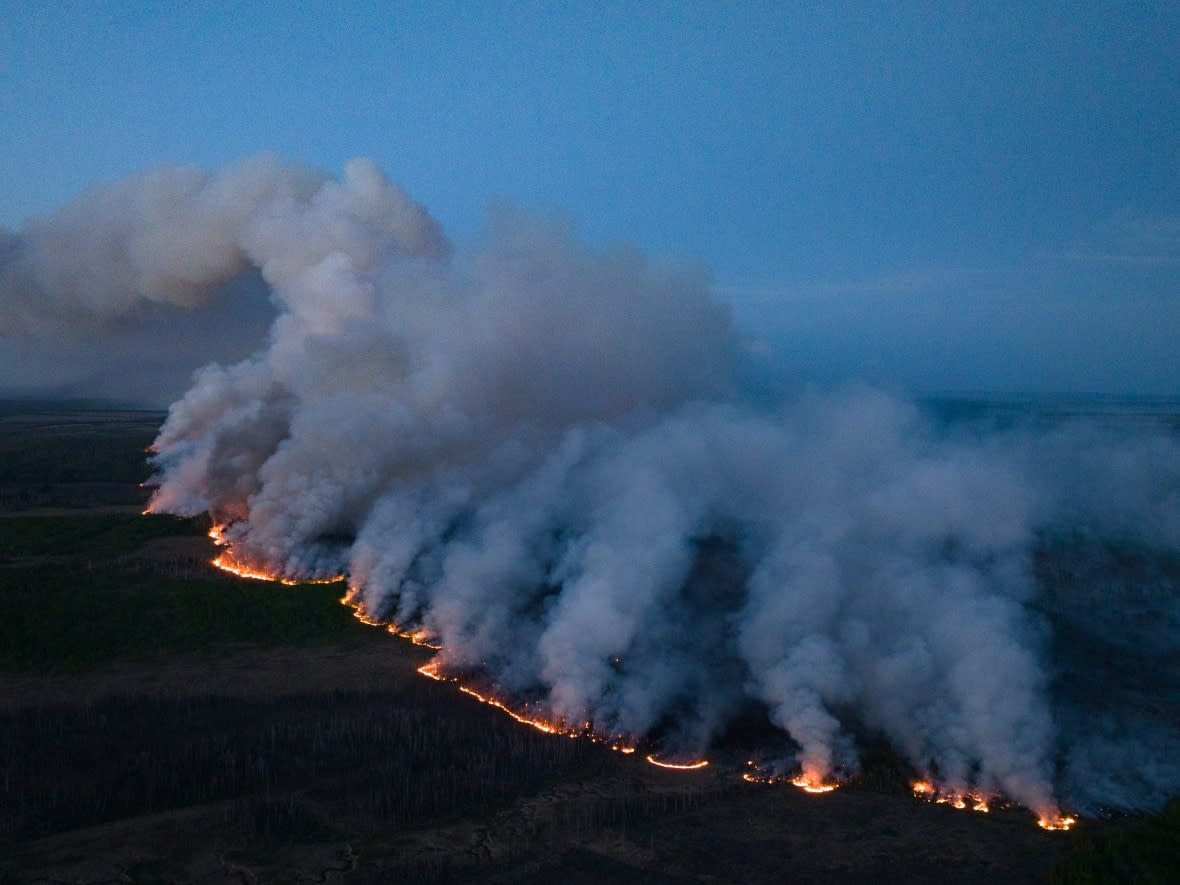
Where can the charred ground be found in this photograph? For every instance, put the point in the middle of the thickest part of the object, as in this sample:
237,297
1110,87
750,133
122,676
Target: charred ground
162,722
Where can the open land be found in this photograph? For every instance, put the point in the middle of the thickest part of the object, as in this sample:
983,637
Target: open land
161,721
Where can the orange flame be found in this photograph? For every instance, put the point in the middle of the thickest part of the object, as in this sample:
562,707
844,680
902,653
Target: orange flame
432,670
808,782
418,637
1057,822
812,784
678,766
226,562
925,789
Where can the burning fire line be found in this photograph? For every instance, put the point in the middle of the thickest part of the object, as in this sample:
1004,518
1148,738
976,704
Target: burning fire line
418,637
809,783
432,670
227,563
1058,822
678,766
925,789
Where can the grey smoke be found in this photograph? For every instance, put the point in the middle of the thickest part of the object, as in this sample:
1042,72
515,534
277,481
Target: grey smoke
542,454
116,270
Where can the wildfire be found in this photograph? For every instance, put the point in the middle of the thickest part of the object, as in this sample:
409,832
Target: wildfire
1057,822
226,562
678,766
925,789
432,670
418,637
539,724
811,784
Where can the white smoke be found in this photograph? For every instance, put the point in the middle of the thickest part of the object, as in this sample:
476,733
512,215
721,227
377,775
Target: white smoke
541,454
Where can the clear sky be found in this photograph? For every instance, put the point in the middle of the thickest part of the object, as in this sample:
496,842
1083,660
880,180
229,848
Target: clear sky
941,196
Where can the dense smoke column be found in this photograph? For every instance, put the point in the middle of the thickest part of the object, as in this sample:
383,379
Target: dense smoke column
539,453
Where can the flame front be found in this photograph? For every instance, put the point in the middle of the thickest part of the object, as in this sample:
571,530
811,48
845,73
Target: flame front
1056,822
925,789
227,563
808,781
678,766
433,670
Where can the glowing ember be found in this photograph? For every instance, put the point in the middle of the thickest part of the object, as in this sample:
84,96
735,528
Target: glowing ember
1057,822
678,766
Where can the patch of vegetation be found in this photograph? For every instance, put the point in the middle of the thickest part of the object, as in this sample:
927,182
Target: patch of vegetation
53,618
292,765
93,536
75,453
1146,852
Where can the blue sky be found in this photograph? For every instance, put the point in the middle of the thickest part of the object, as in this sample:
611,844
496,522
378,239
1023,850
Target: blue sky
937,196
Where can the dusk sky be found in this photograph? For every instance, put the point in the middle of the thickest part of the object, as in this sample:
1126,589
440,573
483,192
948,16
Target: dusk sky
932,196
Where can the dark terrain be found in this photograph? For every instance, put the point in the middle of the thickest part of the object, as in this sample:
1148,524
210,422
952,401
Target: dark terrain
161,721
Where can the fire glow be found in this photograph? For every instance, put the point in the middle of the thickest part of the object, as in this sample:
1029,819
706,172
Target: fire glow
808,783
1057,823
696,765
805,781
925,789
417,637
226,562
432,670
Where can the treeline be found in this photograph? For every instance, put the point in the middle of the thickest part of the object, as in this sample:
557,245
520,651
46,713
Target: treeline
399,758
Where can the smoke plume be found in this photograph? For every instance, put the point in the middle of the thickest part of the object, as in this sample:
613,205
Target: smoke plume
541,454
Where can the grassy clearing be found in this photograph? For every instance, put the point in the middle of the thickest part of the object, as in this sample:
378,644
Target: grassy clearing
75,590
52,619
73,595
89,536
